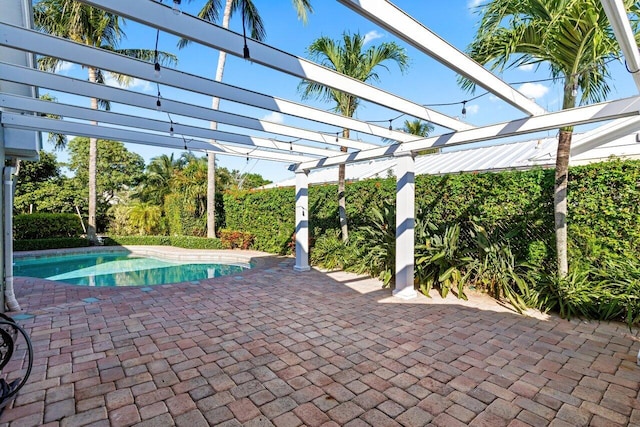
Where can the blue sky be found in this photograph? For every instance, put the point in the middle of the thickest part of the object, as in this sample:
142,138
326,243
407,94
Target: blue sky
426,81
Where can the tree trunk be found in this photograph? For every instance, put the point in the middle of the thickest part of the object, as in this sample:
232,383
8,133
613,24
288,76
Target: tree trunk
211,165
342,201
560,200
211,195
93,162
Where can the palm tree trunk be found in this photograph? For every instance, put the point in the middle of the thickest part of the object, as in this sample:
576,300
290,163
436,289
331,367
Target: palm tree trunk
93,162
211,195
342,201
211,164
560,200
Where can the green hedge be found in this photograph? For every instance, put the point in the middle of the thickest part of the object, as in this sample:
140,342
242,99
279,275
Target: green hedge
55,243
603,198
187,242
46,226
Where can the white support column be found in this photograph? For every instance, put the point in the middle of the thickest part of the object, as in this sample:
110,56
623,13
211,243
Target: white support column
405,219
302,222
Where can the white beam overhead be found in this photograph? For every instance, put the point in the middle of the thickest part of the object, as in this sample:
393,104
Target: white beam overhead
396,21
85,113
136,99
603,134
160,16
65,127
81,54
617,14
576,116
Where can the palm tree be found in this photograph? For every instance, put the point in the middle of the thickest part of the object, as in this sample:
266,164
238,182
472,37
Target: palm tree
574,38
158,178
350,59
251,19
419,128
93,27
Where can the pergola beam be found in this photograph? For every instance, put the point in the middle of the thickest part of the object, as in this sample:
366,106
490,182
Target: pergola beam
617,14
160,16
576,116
126,97
65,127
87,55
394,20
181,130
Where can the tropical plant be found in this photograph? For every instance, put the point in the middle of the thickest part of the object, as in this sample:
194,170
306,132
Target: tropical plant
331,252
497,272
574,38
251,19
145,217
93,27
441,262
349,57
377,244
572,295
417,127
158,175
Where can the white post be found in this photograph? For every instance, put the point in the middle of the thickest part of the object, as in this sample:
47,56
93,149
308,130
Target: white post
405,218
302,222
8,188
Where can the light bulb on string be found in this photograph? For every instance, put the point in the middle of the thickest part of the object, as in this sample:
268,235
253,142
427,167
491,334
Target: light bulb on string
171,130
158,104
156,70
176,7
391,124
464,109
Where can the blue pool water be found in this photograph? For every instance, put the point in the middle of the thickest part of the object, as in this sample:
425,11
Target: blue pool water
117,269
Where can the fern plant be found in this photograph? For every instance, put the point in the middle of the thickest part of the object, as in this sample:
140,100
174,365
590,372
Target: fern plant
377,244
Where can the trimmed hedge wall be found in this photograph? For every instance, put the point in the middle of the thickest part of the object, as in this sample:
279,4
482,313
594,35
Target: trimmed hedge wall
187,242
46,226
603,198
55,243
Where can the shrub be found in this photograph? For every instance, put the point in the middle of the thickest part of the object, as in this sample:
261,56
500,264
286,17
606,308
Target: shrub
55,243
331,252
231,239
187,242
46,226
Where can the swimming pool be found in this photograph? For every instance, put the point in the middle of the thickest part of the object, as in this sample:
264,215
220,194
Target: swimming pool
119,269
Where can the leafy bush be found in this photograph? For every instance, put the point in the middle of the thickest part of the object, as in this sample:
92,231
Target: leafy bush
377,244
571,296
46,226
55,243
231,239
496,271
442,263
331,252
193,242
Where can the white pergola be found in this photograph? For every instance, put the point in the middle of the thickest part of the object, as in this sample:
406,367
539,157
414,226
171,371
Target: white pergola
22,113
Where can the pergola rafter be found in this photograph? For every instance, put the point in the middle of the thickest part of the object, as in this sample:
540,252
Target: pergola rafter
319,151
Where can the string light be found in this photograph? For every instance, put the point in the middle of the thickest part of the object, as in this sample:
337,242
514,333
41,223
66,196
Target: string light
464,109
290,146
158,102
156,65
176,7
337,133
390,124
245,51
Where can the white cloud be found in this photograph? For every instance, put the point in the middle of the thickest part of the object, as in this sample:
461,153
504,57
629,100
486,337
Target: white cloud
63,67
493,98
473,3
533,90
372,35
274,117
526,67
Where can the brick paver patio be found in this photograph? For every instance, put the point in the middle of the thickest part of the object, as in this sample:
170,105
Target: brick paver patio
274,347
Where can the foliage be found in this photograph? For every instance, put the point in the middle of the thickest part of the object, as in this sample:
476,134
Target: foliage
376,244
187,242
442,263
571,296
232,239
51,243
145,218
266,214
332,253
46,225
496,271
